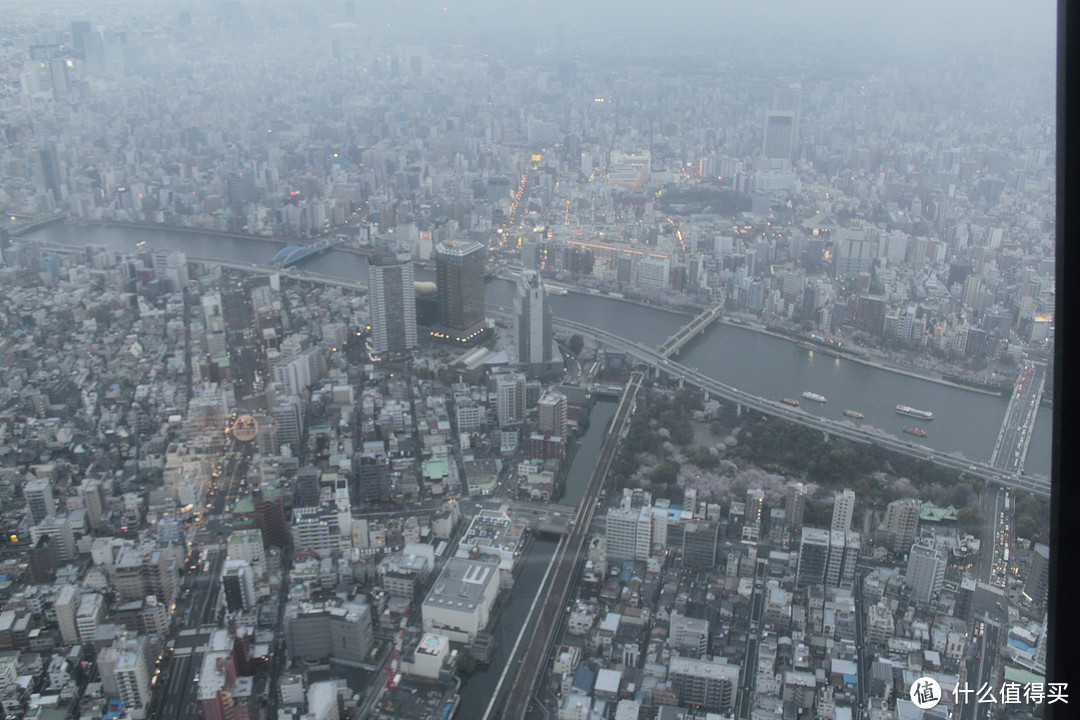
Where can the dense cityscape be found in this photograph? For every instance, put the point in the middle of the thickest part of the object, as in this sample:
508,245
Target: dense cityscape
360,362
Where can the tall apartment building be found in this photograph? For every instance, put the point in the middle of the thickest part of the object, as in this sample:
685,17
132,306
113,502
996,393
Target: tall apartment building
629,533
653,272
66,606
91,612
795,508
926,571
813,557
459,283
93,493
778,144
316,530
844,549
126,672
238,585
371,481
1037,581
393,305
61,530
39,498
510,399
144,570
532,316
689,636
469,414
288,415
755,503
843,511
700,540
248,545
552,411
901,524
709,683
240,188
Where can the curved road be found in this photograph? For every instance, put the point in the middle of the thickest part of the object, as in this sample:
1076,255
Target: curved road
769,407
653,357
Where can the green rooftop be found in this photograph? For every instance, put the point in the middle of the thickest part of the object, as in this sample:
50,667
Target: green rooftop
1019,675
244,505
929,512
435,468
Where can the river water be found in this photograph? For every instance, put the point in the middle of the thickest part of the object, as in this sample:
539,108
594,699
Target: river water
965,422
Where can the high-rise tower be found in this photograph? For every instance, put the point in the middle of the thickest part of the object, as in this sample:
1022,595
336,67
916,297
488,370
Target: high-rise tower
393,306
459,280
533,318
843,510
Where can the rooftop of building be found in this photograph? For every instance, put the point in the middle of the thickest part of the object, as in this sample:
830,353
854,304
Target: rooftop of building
458,248
714,668
494,529
462,585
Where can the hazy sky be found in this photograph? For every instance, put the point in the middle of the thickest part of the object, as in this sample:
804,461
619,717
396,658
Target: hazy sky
934,29
917,25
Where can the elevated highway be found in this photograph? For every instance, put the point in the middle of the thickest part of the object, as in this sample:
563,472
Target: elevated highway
529,661
651,356
831,428
1013,440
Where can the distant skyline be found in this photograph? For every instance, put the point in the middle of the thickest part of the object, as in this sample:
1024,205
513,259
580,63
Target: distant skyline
920,27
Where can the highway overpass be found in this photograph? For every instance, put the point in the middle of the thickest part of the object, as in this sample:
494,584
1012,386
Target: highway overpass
831,428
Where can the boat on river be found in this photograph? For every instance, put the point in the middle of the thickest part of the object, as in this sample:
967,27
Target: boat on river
914,412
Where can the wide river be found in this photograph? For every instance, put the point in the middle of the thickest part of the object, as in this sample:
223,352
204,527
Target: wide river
965,421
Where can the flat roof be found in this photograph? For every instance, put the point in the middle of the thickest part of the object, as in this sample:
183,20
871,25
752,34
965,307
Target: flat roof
462,585
714,669
493,529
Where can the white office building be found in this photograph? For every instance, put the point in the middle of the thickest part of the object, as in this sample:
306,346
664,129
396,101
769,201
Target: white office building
926,571
629,533
459,604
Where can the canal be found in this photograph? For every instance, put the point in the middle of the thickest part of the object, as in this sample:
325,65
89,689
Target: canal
476,691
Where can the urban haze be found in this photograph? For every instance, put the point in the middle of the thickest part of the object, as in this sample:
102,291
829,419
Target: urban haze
548,360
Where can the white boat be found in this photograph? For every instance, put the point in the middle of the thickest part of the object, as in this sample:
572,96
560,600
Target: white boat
815,396
914,412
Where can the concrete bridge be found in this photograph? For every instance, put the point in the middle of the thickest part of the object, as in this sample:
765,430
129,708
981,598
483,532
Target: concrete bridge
1010,449
830,428
693,328
17,224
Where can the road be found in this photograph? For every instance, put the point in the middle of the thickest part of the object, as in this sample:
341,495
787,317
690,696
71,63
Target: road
849,431
747,690
979,669
179,700
650,355
1010,450
529,662
994,560
862,681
